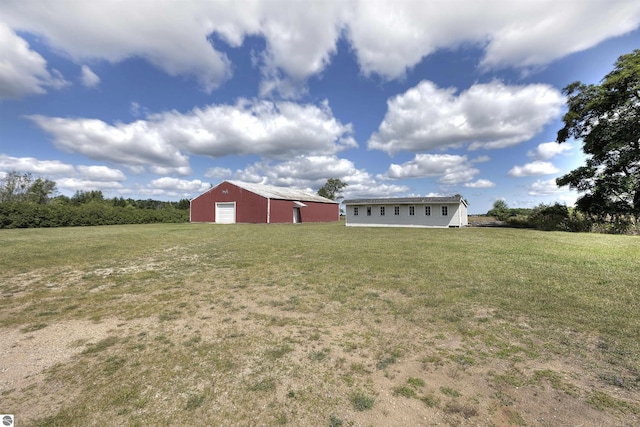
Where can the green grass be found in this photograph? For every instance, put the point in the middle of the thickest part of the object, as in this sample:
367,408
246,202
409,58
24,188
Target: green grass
219,322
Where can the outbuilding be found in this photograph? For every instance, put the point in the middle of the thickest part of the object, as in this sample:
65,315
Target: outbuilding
438,212
234,201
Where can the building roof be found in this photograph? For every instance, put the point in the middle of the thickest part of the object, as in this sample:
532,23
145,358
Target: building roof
282,193
406,201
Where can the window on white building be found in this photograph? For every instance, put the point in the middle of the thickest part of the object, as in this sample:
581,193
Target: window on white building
445,211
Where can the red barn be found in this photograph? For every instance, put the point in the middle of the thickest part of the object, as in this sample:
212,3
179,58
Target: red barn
233,201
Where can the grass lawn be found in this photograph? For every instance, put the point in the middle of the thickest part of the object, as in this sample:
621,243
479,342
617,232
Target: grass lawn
318,324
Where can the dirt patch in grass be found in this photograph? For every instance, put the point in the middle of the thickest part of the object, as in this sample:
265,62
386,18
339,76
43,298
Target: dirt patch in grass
245,362
241,337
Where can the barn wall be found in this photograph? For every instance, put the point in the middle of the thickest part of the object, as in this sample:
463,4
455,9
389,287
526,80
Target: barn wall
320,212
250,207
281,211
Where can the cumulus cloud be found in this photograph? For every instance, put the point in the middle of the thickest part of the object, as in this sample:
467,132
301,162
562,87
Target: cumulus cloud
162,142
390,37
100,173
387,38
535,168
218,172
544,188
78,184
134,144
35,166
548,150
179,186
88,77
277,130
171,35
481,183
22,70
312,172
491,115
452,169
66,176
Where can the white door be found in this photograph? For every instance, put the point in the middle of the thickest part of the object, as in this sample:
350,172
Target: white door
226,212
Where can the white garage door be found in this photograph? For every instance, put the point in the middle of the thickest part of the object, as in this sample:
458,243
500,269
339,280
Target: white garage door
226,213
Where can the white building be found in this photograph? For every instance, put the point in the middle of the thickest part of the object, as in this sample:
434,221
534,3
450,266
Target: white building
439,212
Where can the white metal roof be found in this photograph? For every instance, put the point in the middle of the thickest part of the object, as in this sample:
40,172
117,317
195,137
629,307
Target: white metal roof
283,193
406,200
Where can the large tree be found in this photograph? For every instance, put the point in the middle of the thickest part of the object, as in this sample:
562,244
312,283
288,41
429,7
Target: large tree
606,117
331,189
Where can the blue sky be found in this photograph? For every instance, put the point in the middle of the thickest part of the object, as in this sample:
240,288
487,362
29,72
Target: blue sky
160,99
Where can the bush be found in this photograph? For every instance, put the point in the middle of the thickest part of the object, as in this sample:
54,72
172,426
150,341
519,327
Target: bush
549,217
31,215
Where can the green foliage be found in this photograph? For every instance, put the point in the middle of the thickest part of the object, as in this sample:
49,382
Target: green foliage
26,202
554,217
606,117
16,187
549,217
500,210
331,189
362,402
29,215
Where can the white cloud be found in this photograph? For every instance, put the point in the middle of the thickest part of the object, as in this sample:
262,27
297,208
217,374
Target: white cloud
171,35
35,166
548,150
179,186
88,77
452,169
22,70
312,172
277,130
387,38
544,188
481,159
538,32
218,172
135,144
535,168
161,143
552,192
79,184
491,115
481,183
136,110
100,173
390,37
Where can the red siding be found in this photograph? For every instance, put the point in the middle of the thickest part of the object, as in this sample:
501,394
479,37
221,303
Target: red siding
252,208
281,211
249,206
320,212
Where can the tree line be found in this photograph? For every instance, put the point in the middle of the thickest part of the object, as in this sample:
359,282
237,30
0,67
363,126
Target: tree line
28,202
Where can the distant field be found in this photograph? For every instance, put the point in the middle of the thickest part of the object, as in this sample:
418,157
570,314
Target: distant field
318,325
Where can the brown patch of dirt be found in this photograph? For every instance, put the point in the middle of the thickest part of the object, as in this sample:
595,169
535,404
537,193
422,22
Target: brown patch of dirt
318,355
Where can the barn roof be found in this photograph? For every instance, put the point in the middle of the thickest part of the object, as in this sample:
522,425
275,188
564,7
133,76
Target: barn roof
283,193
405,200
